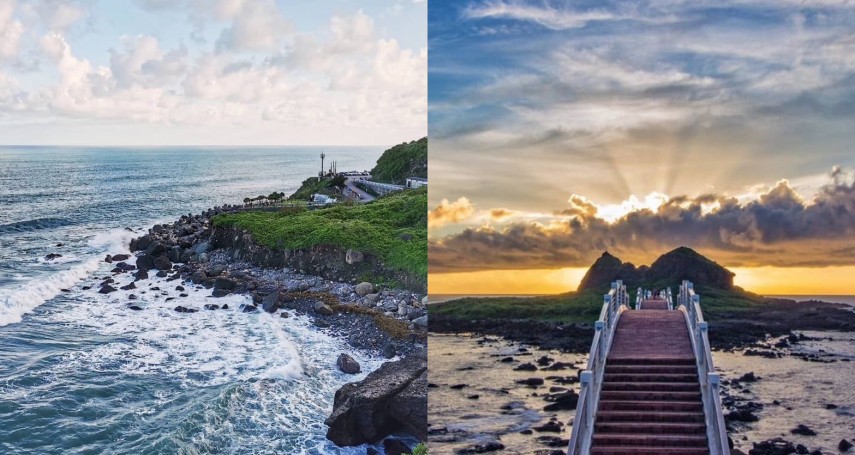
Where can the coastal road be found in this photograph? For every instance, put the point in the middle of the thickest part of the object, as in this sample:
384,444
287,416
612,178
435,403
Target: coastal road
363,196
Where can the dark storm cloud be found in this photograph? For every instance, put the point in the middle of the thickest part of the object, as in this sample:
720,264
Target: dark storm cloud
777,229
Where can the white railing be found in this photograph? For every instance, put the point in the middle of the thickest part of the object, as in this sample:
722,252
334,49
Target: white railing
639,296
690,305
669,299
591,379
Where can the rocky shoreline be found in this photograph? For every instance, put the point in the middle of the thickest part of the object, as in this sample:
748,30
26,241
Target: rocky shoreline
728,331
378,320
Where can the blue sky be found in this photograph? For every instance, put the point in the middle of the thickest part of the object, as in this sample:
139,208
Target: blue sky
548,118
212,71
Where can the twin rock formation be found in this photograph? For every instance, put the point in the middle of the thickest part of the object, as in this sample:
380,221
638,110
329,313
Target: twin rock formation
669,270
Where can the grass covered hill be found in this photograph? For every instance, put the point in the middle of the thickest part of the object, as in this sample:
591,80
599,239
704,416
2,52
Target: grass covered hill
401,161
393,228
581,306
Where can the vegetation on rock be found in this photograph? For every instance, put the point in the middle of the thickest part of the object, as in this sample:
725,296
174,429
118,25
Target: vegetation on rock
401,161
393,228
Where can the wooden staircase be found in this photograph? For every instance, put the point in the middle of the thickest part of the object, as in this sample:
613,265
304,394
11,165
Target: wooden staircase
650,402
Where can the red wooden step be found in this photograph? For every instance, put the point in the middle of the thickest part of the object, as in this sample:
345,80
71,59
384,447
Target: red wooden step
650,377
651,369
635,440
652,386
652,360
643,429
649,416
640,395
617,450
661,406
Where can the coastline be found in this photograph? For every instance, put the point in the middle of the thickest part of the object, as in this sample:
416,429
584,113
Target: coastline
379,321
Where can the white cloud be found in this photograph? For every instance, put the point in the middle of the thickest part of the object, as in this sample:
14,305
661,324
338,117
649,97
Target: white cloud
10,30
544,15
257,25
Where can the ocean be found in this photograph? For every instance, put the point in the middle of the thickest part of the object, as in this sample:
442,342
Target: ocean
80,374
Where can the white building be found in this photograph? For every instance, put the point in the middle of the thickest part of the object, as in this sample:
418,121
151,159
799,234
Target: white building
416,182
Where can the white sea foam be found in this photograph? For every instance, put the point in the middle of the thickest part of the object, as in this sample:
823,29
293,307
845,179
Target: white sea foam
279,373
16,302
113,241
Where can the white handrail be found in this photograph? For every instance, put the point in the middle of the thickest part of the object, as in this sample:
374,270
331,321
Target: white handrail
690,305
591,379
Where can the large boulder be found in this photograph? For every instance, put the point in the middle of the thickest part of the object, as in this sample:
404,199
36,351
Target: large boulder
270,303
145,262
353,257
162,263
347,364
141,243
324,309
391,399
364,288
224,283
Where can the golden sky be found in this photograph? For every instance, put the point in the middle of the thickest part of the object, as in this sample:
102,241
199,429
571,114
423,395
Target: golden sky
761,280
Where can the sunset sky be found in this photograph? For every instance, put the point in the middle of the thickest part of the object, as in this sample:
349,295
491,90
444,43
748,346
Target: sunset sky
220,72
563,129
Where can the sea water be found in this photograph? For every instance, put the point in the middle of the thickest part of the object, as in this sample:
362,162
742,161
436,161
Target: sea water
80,373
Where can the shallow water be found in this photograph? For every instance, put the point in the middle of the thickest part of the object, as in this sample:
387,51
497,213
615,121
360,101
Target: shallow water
82,374
804,387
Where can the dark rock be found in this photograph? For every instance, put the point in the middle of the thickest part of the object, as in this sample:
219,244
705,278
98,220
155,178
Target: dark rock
244,308
741,415
748,377
776,446
134,307
831,406
145,262
179,288
108,259
525,367
458,386
391,399
347,364
220,292
211,306
161,274
162,263
473,397
679,264
181,309
531,382
844,445
141,275
550,427
485,447
389,351
395,447
564,401
128,287
544,361
52,256
120,257
226,306
106,289
283,315
141,243
506,359
270,303
803,430
224,283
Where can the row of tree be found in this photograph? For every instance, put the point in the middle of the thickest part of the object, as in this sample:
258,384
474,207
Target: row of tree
270,199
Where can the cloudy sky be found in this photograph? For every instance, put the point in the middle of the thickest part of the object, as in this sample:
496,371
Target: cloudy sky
561,129
212,72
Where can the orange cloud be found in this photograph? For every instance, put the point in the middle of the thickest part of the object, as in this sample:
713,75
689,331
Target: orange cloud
450,212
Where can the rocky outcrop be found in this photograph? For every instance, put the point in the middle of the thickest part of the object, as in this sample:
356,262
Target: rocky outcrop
326,261
670,269
391,399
